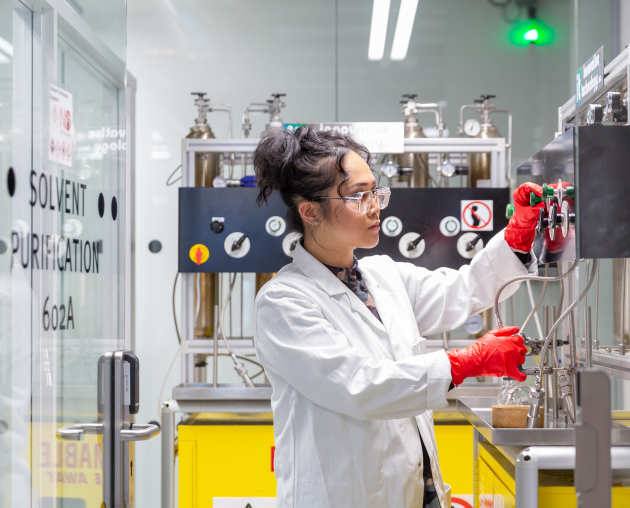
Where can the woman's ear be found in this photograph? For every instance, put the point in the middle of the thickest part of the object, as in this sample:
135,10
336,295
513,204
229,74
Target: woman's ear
310,212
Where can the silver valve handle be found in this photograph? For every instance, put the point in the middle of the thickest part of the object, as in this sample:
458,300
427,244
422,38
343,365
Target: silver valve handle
78,430
140,432
135,433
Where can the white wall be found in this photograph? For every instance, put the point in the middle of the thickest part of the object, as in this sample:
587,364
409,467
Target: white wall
241,51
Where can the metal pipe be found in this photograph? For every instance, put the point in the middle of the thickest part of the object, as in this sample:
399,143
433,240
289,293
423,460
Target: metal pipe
532,416
538,458
215,342
527,277
508,146
588,339
436,109
595,343
167,424
254,107
554,374
534,307
225,108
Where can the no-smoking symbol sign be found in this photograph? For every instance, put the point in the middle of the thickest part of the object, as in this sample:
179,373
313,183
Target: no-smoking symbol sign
476,215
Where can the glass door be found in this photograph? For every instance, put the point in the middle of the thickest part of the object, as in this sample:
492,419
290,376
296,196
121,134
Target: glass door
15,277
80,305
81,295
65,262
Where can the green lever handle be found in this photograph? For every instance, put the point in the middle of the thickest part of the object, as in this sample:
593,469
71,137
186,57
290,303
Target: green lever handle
509,211
534,199
548,192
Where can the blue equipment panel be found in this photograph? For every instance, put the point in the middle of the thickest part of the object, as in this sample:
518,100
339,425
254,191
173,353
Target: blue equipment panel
420,211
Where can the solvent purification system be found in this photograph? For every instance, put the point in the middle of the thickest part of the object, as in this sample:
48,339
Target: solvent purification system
229,247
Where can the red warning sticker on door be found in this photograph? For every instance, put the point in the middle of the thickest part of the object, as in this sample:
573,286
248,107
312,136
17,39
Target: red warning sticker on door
477,215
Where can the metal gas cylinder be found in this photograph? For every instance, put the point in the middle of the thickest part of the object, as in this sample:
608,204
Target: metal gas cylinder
480,163
414,167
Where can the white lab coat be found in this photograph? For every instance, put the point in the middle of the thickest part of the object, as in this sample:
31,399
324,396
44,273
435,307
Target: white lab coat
349,393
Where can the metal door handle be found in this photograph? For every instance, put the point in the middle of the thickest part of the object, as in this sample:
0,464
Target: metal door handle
76,431
140,432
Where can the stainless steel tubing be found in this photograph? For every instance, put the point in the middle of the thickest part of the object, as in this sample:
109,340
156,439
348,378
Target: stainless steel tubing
527,277
555,391
537,458
534,307
531,418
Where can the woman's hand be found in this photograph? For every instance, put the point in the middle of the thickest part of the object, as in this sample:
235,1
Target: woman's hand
498,353
521,230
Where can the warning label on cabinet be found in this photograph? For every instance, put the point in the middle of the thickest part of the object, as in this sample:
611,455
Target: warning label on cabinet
477,215
61,126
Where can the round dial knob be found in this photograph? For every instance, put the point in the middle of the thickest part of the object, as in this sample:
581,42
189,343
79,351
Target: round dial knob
237,245
289,243
411,245
469,244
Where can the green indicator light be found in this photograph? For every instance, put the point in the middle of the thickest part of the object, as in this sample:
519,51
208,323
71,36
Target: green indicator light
531,35
531,31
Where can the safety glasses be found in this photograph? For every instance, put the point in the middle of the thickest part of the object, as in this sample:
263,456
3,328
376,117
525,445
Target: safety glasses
363,200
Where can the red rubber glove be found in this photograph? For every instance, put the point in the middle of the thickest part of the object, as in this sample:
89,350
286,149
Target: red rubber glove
498,353
521,230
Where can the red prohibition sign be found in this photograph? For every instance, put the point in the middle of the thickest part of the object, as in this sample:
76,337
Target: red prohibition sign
481,224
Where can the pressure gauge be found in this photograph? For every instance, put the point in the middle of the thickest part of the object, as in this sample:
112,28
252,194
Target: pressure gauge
392,226
275,226
472,127
474,324
450,226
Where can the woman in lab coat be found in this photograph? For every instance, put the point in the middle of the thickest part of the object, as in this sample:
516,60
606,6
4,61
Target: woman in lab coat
341,340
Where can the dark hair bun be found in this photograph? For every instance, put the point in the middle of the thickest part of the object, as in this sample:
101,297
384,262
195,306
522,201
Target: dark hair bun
273,161
301,165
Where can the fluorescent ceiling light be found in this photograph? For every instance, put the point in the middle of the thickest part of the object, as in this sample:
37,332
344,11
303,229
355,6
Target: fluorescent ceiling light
378,29
4,59
6,47
404,26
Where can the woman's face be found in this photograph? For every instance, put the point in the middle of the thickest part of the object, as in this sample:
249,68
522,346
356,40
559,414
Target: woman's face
344,226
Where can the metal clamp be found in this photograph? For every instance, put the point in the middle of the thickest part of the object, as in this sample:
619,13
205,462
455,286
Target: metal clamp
140,432
75,432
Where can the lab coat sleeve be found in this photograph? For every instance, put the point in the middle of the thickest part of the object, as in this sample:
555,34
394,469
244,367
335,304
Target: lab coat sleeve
443,299
295,341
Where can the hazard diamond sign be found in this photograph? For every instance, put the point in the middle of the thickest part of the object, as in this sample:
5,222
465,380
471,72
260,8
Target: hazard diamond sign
476,215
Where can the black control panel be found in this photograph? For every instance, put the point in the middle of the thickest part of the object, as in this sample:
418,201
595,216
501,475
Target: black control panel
223,230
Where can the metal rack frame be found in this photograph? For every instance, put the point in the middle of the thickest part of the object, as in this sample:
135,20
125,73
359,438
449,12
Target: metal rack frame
495,146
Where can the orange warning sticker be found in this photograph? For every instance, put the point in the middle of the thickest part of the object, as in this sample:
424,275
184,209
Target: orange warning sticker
199,254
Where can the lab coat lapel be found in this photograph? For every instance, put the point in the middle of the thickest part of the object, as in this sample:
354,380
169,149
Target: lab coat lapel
385,304
326,280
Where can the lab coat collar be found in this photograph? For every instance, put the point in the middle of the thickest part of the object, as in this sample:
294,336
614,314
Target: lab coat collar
317,271
324,278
